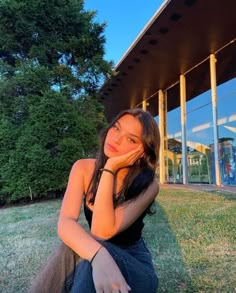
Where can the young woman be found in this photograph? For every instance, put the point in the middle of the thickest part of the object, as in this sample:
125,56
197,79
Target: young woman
117,190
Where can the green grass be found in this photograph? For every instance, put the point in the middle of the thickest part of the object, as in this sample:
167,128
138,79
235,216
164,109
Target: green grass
192,237
193,241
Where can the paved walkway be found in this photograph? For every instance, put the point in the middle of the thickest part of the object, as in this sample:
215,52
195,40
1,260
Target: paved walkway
203,187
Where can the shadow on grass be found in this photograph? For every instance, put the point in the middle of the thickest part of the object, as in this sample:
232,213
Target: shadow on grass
168,259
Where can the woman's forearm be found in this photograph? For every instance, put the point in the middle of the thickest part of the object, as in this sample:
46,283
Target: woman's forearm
75,236
103,222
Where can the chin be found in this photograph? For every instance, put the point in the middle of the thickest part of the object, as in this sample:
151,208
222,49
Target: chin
109,155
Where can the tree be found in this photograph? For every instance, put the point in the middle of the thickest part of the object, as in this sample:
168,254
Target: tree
51,67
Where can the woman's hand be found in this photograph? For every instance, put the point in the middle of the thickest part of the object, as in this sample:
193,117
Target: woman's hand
126,160
107,277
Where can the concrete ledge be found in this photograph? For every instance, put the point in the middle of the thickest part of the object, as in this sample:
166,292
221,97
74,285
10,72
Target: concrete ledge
201,187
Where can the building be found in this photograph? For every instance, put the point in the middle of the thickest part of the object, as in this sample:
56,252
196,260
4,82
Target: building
176,69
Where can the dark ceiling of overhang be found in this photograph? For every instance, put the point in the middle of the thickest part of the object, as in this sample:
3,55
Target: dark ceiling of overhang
178,41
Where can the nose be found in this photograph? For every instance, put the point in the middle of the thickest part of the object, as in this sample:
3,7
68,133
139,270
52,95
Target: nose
117,139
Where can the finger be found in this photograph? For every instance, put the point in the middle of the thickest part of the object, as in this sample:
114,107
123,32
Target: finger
140,148
123,289
138,155
137,150
115,288
107,289
142,154
115,291
132,158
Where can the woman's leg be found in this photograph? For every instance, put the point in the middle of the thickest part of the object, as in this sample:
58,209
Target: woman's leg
134,262
57,274
83,280
136,265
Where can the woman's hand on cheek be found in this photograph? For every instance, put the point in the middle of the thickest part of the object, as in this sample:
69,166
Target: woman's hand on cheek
126,160
106,274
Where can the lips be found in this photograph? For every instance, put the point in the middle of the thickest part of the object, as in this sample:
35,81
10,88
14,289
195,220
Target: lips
111,147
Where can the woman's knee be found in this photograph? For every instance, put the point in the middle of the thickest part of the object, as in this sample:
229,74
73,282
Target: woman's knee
83,278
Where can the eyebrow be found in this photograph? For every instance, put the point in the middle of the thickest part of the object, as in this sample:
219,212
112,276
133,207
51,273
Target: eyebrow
131,134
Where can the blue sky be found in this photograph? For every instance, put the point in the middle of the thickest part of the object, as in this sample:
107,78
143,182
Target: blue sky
125,19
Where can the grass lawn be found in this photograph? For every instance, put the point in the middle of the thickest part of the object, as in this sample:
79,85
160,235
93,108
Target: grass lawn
192,237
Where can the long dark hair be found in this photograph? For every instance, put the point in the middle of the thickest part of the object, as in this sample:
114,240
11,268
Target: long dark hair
142,173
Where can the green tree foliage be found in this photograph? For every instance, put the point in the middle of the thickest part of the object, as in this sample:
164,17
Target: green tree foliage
51,67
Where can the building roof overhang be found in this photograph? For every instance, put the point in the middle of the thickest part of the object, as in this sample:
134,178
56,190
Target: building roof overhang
177,40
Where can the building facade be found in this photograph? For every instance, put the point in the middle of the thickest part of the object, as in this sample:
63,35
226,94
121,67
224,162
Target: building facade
182,69
200,150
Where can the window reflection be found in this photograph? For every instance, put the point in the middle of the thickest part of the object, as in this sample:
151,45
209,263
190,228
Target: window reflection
200,139
227,133
174,172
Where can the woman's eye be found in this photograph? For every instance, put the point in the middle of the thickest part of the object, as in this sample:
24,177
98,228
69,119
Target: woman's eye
115,128
131,140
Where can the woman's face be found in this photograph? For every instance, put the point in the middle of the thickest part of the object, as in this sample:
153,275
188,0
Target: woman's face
124,136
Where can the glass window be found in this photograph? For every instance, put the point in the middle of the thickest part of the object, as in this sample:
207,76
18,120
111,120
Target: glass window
200,139
227,131
174,149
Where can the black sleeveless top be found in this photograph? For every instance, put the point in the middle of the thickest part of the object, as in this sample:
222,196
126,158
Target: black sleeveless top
127,237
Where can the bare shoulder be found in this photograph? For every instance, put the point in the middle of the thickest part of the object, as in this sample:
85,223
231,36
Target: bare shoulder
86,164
85,168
